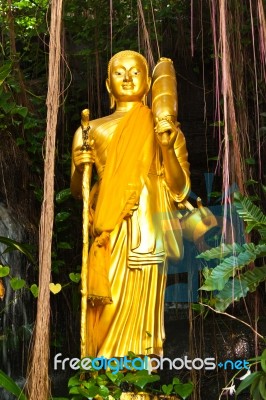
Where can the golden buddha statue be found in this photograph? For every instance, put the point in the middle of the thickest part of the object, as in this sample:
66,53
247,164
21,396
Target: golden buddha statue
143,173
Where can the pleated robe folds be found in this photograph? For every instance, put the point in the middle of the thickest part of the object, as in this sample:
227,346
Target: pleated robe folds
140,246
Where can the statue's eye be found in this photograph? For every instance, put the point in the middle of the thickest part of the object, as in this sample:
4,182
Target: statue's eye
117,73
135,72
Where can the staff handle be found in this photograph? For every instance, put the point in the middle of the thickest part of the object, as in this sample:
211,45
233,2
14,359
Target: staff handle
86,181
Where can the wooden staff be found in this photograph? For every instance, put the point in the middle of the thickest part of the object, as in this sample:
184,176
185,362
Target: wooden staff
86,180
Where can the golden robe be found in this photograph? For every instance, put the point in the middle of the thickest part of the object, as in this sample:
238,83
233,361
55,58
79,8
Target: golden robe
140,246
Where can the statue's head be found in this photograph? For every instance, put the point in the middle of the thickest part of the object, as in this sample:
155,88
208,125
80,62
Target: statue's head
128,78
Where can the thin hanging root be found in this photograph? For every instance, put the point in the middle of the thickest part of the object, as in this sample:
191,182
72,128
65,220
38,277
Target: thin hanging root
38,383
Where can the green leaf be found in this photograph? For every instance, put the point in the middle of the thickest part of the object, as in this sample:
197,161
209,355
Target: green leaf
239,287
34,290
116,393
167,389
4,271
103,391
247,382
74,381
251,182
14,245
17,283
233,291
92,391
254,389
227,269
63,195
176,381
59,398
20,141
64,245
263,360
141,378
62,216
184,389
10,385
5,71
250,161
248,211
199,308
22,111
217,123
75,277
262,387
221,251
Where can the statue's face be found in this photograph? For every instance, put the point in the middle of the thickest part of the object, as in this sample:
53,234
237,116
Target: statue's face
128,80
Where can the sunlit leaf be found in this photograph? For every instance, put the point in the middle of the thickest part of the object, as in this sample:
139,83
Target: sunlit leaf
4,271
17,283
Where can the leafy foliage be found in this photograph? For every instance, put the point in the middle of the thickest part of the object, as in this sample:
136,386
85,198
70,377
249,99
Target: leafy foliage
256,382
234,276
114,383
10,386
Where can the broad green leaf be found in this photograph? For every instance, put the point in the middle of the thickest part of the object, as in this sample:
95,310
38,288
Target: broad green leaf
116,393
59,398
63,195
88,393
167,389
221,251
263,360
17,283
250,161
22,111
103,391
251,182
247,382
75,277
239,287
14,245
184,389
4,271
74,381
176,381
262,387
10,386
5,71
227,269
141,378
64,245
254,389
198,308
34,290
62,216
248,211
233,291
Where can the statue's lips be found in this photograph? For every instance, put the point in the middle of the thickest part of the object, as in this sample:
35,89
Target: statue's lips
128,87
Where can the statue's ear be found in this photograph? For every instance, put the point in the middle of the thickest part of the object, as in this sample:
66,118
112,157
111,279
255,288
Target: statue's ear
111,97
107,84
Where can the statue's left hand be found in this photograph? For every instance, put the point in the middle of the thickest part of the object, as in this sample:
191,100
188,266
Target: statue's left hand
166,132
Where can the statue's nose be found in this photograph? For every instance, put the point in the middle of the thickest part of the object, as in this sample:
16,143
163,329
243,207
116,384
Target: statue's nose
127,76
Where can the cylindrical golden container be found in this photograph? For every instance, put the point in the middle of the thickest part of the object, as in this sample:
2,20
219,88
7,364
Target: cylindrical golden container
164,90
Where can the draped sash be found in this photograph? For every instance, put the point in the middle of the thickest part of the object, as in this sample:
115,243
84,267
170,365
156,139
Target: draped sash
129,158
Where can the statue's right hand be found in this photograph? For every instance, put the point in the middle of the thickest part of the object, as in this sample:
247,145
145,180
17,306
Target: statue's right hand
81,157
